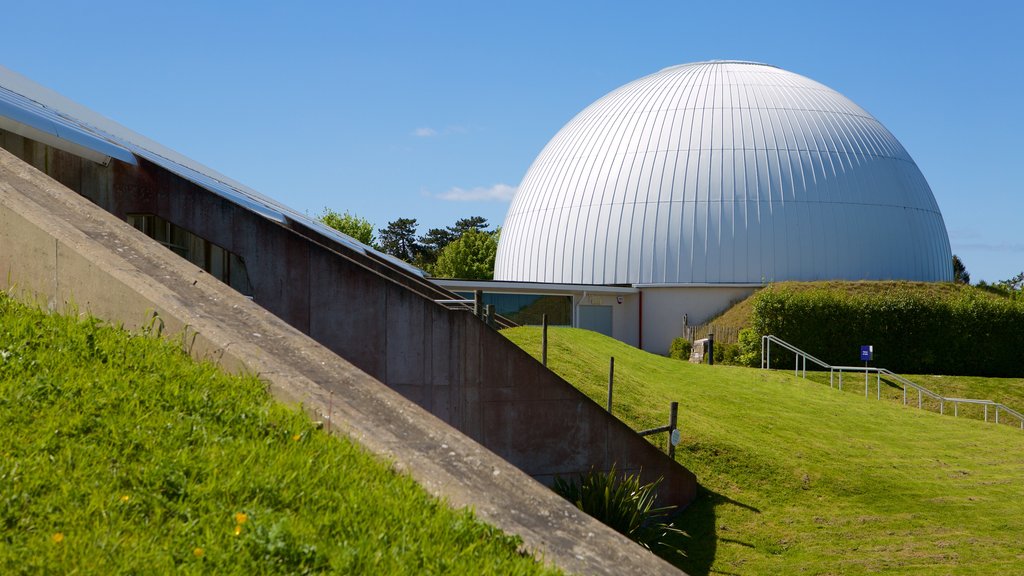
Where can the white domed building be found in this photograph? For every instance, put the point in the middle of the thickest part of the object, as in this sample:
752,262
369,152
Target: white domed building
694,185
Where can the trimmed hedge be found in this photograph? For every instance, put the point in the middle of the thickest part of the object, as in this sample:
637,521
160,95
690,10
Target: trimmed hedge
914,330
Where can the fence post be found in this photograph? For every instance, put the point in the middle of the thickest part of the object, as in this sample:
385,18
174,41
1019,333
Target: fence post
478,304
489,316
611,380
711,348
544,339
673,413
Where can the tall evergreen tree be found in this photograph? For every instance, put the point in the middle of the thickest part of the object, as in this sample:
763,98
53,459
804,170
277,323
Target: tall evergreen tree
960,273
399,239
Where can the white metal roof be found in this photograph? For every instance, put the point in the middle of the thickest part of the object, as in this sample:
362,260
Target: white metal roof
723,172
36,112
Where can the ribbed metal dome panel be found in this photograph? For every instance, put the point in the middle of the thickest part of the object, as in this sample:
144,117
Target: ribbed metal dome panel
723,172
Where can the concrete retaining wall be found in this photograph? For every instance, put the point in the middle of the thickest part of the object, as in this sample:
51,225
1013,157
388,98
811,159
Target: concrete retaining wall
59,249
385,322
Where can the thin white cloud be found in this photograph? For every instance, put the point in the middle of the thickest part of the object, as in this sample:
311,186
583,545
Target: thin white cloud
428,132
496,193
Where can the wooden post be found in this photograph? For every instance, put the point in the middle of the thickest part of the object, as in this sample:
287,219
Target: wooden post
711,348
544,340
478,304
611,380
673,413
489,316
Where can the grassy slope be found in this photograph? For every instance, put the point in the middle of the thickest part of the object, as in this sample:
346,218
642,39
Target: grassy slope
798,478
120,455
1009,391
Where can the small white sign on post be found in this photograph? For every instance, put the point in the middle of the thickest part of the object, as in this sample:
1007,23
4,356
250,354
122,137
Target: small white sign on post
675,437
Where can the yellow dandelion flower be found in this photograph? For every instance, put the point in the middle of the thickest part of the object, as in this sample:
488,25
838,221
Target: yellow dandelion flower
58,537
241,518
297,437
238,529
198,552
125,498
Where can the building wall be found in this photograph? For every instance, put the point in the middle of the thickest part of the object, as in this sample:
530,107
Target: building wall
387,325
57,248
664,309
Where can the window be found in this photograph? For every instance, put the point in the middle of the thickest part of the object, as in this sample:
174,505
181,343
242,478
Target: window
226,266
527,309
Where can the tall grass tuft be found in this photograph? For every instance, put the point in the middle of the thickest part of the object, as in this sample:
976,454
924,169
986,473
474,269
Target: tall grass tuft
624,504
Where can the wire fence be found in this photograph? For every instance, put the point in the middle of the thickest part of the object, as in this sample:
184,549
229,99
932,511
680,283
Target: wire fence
723,334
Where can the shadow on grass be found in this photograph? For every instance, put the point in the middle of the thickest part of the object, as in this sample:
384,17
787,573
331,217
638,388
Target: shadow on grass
700,542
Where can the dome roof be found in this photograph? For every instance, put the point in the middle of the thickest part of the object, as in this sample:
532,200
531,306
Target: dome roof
723,172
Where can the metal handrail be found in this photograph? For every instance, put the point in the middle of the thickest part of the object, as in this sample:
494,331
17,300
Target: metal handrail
766,354
469,304
768,339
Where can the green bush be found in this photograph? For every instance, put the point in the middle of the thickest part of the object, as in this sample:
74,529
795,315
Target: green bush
913,330
680,349
624,504
730,354
749,348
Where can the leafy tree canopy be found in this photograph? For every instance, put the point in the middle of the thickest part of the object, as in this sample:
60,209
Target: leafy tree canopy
1015,283
437,239
359,228
471,257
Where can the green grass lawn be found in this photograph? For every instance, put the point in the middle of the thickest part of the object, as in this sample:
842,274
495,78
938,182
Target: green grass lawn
118,454
797,478
1008,391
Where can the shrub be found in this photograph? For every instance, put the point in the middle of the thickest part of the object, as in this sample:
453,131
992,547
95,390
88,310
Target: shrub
914,329
680,349
624,504
730,354
749,348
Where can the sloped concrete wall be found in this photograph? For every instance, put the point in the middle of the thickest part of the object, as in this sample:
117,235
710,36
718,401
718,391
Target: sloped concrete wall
58,249
386,324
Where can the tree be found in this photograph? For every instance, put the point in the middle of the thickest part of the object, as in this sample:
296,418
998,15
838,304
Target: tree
433,242
960,273
359,228
399,239
463,225
436,239
471,257
1016,283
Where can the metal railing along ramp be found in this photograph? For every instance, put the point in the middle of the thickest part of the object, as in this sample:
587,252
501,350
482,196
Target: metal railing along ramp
801,366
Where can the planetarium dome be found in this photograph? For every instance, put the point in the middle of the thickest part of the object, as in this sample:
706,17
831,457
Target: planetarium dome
723,172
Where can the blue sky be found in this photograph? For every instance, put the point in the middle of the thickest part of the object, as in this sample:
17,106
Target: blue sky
436,110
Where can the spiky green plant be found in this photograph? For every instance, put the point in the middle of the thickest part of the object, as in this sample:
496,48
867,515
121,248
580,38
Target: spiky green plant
623,503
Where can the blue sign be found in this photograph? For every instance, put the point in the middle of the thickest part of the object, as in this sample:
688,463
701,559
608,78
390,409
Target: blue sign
867,353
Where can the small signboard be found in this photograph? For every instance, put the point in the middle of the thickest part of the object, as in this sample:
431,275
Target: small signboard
867,353
676,437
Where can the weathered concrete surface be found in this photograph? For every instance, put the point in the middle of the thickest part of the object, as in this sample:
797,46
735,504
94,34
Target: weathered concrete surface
59,249
385,321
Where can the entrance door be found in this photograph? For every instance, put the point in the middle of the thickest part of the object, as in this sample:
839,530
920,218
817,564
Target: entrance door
596,318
